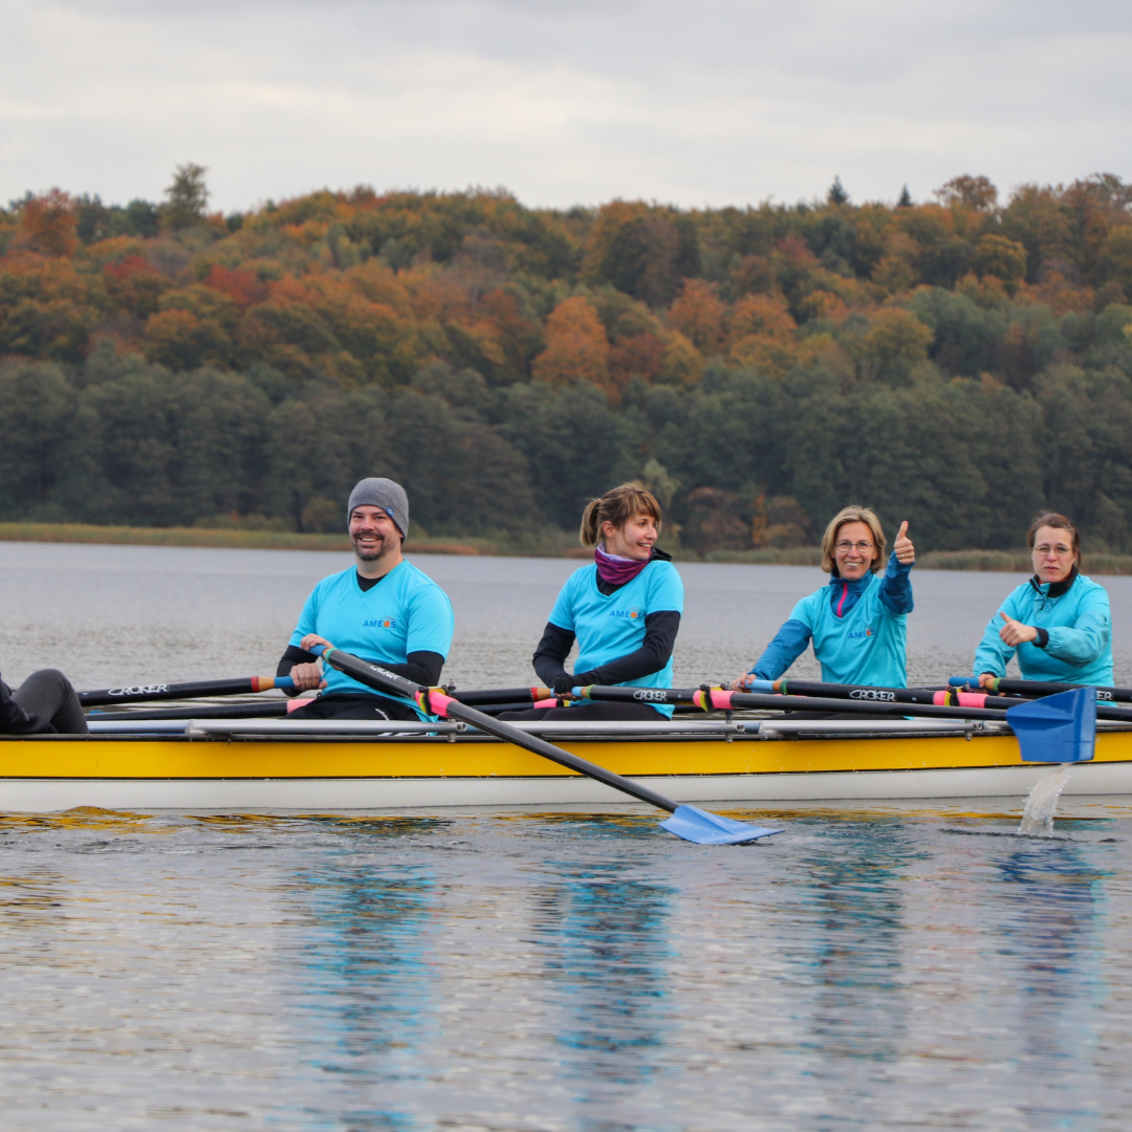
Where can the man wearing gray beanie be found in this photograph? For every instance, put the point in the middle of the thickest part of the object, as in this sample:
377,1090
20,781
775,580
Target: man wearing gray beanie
382,609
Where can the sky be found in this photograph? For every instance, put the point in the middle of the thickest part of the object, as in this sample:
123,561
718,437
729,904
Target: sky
711,102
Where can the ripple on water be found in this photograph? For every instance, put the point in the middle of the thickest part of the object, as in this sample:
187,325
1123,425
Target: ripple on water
528,970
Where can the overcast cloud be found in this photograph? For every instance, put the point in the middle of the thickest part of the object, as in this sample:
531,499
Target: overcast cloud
705,102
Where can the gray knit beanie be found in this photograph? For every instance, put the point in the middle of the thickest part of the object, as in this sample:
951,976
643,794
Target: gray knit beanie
387,495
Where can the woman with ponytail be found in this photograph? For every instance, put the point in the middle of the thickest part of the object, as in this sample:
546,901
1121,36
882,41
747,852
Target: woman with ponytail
623,609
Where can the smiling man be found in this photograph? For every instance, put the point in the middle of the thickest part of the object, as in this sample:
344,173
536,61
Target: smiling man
382,609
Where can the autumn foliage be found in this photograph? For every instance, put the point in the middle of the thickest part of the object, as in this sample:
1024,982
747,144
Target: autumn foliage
609,316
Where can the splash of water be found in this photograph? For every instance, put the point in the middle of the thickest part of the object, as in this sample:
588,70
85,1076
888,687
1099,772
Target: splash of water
1037,817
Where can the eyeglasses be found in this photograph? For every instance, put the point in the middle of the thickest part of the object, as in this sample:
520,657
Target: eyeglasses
845,546
1060,551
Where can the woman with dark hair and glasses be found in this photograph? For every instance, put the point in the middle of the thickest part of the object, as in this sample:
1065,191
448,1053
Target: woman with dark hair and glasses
857,621
1058,622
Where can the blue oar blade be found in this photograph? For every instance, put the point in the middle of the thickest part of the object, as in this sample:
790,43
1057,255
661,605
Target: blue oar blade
693,824
1056,729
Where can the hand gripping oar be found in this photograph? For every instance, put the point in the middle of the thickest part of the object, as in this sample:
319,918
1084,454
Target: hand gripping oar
140,693
719,699
688,822
1040,688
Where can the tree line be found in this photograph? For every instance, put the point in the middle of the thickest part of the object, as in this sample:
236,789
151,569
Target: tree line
959,363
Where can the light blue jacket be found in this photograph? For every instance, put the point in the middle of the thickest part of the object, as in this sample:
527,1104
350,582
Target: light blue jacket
858,629
1074,624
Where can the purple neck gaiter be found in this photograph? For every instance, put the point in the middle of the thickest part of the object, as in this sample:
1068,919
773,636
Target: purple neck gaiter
614,569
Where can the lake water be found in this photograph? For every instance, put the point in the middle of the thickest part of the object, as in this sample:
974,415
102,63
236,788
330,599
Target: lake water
900,967
110,615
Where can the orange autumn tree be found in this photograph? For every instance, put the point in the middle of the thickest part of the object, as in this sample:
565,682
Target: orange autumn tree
699,315
48,224
577,348
761,333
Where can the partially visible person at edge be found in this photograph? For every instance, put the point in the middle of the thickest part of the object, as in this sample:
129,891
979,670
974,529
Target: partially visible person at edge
382,609
623,609
44,703
1058,622
858,621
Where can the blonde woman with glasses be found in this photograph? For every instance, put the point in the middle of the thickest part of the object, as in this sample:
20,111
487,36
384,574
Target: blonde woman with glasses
857,621
1058,622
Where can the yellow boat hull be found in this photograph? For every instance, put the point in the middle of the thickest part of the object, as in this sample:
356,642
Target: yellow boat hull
49,773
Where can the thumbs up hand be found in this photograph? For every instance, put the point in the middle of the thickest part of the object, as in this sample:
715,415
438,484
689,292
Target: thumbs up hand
902,547
1014,633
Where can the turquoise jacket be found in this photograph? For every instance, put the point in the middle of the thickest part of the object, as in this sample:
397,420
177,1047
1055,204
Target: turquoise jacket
858,629
1074,624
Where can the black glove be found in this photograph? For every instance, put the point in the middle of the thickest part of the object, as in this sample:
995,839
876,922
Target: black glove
562,684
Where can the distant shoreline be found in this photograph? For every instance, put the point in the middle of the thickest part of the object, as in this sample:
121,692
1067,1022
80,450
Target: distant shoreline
557,545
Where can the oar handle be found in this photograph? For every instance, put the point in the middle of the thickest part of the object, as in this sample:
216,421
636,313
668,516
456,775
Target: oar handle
435,701
142,693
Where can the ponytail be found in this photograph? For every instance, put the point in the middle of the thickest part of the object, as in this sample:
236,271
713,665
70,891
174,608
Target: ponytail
617,506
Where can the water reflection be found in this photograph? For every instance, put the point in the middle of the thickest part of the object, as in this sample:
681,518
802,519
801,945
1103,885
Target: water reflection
368,984
31,902
1052,903
604,945
564,971
856,895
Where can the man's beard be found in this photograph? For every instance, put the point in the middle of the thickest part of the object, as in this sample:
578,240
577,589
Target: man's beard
382,546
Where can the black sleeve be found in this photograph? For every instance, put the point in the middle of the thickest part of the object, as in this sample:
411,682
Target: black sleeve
14,720
421,667
550,656
660,636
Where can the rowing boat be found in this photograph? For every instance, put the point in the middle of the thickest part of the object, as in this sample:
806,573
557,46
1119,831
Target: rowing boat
348,765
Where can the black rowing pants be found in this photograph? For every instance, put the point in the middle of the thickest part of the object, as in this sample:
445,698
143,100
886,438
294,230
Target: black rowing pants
48,694
353,705
607,712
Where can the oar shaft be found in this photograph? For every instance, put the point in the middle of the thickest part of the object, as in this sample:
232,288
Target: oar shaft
1034,688
456,710
864,692
524,696
1002,703
436,702
718,699
141,693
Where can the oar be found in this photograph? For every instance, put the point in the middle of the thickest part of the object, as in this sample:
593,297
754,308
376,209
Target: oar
1104,709
1040,688
719,699
865,692
688,822
508,696
140,693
